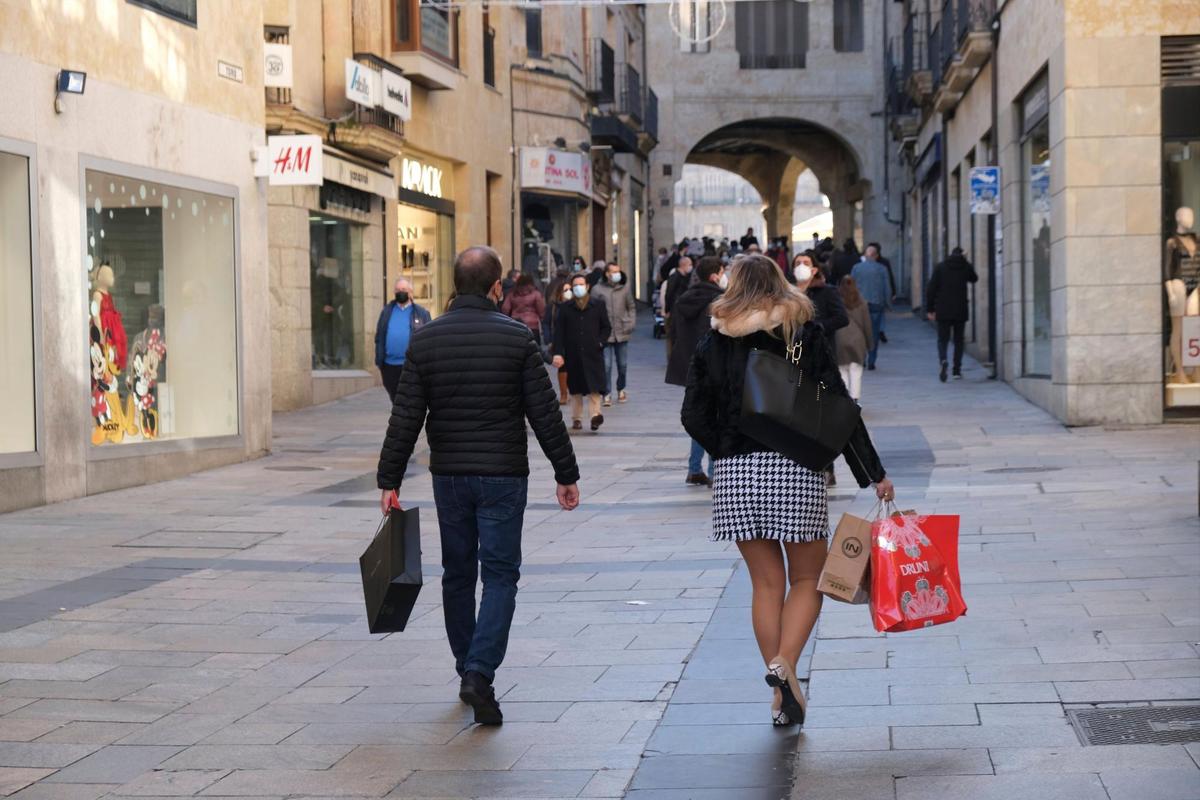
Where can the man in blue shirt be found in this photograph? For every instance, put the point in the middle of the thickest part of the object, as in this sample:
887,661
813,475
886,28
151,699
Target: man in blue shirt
397,322
873,285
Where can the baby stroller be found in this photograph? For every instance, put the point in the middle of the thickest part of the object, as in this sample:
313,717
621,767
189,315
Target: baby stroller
660,322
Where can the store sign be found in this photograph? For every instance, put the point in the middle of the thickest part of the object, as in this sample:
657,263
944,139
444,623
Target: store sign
985,190
362,84
291,161
418,177
560,170
347,173
397,95
1191,342
277,66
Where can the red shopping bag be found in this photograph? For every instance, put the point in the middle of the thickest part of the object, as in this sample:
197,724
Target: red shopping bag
914,572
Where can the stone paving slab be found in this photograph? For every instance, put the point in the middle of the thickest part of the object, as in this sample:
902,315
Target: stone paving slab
204,638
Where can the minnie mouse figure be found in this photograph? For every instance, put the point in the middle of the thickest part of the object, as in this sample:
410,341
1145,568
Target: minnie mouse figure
148,352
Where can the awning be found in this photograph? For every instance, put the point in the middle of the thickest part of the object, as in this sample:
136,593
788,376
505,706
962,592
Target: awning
339,168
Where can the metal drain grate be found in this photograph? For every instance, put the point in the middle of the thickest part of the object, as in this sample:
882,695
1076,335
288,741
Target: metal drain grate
1020,470
295,469
1156,725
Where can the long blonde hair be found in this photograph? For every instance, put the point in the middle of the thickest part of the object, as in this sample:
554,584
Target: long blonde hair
757,284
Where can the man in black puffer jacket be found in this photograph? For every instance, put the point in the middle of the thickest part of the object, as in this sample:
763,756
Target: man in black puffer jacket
478,375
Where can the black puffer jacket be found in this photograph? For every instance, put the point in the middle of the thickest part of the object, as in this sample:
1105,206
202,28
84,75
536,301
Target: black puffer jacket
478,375
712,406
831,311
691,324
947,292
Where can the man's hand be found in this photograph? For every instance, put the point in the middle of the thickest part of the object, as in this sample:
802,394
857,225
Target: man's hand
568,496
388,499
932,317
557,362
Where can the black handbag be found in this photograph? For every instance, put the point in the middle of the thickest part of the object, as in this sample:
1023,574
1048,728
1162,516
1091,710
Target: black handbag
792,412
391,571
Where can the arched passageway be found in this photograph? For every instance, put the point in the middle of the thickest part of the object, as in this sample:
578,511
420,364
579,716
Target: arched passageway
771,153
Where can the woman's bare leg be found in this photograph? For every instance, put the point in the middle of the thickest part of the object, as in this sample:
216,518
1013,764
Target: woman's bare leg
764,560
803,604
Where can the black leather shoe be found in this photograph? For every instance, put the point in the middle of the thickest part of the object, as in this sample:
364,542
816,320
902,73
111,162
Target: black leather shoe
477,692
597,421
942,374
882,337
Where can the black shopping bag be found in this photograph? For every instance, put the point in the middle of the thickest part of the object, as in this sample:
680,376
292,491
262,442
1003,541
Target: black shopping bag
391,571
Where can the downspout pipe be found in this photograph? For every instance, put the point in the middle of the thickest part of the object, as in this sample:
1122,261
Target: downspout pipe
994,302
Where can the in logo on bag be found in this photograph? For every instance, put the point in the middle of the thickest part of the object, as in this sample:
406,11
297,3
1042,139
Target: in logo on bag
925,604
895,533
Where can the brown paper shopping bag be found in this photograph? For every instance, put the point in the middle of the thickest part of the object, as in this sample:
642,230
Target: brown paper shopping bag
845,576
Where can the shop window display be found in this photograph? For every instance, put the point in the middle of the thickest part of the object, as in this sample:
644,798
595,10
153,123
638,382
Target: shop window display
335,284
1181,267
1036,200
162,311
16,308
426,240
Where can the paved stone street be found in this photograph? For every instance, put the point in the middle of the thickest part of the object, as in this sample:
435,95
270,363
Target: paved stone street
206,636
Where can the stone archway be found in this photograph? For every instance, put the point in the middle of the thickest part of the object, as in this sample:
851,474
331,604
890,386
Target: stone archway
772,152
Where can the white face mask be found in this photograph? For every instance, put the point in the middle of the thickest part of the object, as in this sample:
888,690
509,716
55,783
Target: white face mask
723,282
579,291
803,273
614,277
566,294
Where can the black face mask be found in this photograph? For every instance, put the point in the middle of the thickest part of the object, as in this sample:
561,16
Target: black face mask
401,297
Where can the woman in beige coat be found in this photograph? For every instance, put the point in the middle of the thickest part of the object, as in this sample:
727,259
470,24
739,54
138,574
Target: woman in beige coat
851,341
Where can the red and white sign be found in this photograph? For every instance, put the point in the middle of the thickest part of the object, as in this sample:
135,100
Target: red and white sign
558,170
291,161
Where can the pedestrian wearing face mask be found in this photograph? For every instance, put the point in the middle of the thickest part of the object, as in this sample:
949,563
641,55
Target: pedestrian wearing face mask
618,299
526,304
563,295
579,336
395,327
692,324
830,312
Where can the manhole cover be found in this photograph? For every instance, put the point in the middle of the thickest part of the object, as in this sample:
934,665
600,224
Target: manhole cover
1157,725
1021,470
295,469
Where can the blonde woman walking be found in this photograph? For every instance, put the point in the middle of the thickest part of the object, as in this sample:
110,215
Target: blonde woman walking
775,509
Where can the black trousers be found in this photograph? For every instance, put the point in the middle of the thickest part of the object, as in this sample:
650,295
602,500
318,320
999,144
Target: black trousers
391,378
945,328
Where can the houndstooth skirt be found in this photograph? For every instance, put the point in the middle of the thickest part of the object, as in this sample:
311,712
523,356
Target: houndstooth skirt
768,496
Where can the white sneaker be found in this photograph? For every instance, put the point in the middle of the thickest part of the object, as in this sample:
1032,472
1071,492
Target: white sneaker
622,396
608,401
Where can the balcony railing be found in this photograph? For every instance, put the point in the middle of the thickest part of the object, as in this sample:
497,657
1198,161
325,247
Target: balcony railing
933,50
631,93
378,117
948,47
972,16
651,123
601,73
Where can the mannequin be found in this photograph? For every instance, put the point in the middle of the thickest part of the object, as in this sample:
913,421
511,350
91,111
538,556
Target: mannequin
1182,287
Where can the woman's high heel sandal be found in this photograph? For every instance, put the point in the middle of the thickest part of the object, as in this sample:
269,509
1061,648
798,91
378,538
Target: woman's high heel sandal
793,703
778,718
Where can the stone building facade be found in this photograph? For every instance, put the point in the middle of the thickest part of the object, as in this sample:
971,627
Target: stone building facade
1092,114
406,185
584,121
133,245
774,88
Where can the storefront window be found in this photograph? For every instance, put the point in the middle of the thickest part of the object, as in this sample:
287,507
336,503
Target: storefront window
1035,159
1181,269
548,235
162,311
16,308
335,283
426,240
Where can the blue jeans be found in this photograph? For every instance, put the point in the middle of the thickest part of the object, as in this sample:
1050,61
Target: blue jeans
875,310
480,521
622,350
696,460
